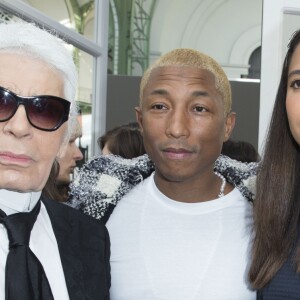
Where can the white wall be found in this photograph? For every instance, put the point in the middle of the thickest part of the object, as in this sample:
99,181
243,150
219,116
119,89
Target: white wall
228,30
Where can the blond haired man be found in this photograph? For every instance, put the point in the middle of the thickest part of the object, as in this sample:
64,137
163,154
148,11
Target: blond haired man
182,233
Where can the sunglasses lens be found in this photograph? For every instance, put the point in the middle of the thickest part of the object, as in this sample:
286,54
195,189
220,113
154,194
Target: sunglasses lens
8,106
46,113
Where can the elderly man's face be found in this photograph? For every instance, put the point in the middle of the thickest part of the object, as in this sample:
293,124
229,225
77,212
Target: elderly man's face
27,153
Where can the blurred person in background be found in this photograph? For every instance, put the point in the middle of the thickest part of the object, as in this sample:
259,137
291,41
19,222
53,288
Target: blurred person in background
72,154
240,150
57,187
125,140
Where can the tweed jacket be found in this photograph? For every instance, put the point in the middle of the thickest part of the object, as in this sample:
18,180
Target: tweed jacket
104,180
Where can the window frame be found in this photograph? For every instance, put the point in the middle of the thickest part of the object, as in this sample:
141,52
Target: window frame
97,49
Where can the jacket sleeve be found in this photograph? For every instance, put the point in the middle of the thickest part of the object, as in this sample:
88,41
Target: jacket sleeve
241,175
104,180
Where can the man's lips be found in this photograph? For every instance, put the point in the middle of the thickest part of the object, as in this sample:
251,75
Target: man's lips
8,157
177,153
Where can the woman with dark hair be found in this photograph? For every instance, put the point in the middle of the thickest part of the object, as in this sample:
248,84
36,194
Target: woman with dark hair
58,184
275,269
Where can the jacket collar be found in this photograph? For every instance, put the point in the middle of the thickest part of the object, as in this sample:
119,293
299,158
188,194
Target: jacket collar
104,180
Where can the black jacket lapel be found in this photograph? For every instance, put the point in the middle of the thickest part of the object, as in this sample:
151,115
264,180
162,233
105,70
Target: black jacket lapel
84,248
63,224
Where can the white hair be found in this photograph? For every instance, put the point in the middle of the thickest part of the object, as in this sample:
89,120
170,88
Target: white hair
28,39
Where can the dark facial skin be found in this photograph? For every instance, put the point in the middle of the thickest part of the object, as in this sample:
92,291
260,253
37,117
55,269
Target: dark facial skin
183,126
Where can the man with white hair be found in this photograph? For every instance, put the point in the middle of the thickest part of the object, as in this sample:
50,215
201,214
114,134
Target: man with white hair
47,250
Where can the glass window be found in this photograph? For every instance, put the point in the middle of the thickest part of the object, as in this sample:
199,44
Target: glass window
75,14
84,98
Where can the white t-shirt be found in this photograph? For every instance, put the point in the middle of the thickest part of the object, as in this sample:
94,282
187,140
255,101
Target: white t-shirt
169,250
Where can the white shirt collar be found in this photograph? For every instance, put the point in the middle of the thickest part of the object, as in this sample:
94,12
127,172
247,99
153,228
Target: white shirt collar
12,202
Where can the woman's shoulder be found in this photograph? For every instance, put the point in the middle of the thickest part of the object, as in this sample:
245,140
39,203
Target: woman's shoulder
284,285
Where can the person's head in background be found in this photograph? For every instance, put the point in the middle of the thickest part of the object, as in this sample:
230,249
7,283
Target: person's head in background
71,154
57,185
277,205
125,140
240,150
33,63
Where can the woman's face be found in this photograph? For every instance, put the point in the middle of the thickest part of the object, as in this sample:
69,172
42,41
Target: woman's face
27,153
293,95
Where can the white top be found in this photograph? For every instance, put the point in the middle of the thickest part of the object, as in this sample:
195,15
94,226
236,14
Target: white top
42,241
169,250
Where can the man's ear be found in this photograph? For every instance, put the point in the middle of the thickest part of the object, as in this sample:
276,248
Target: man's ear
139,118
229,125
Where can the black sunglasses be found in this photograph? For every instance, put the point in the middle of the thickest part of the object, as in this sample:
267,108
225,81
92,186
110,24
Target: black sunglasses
46,113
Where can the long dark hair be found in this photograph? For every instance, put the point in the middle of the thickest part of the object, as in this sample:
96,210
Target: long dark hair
277,203
51,189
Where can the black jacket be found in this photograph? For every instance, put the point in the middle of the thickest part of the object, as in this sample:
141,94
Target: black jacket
84,248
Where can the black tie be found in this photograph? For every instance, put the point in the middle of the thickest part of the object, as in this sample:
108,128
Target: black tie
25,278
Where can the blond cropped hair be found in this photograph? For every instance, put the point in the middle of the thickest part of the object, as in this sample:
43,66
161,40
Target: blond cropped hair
192,58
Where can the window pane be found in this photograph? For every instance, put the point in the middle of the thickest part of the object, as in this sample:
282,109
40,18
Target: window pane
84,98
65,11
